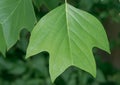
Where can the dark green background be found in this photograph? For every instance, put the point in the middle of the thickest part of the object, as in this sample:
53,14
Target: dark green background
16,70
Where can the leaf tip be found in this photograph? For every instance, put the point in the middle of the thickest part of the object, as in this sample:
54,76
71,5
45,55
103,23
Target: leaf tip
53,75
27,56
53,79
94,75
109,51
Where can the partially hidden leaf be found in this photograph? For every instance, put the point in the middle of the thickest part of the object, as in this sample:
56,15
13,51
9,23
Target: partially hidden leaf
14,16
68,34
50,4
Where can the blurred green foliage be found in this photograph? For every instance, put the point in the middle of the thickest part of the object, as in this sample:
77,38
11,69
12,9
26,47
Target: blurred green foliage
16,70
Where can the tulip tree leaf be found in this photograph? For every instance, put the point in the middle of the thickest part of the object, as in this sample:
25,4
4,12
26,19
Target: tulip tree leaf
68,34
14,16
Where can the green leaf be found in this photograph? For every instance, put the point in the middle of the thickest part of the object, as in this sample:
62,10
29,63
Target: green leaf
68,34
50,4
2,42
14,16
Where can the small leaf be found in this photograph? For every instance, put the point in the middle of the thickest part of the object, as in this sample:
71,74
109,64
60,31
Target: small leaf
68,34
14,16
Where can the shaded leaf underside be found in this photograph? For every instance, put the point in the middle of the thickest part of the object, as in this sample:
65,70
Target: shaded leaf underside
68,34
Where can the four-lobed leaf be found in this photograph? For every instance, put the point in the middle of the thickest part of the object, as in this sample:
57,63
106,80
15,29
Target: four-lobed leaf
14,16
68,34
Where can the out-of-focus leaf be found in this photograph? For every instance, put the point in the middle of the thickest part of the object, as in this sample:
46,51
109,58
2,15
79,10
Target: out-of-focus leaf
116,78
39,63
86,4
23,42
50,4
35,82
19,82
100,76
4,64
14,16
18,68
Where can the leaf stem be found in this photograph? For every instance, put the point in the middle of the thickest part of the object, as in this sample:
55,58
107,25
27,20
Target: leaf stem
65,1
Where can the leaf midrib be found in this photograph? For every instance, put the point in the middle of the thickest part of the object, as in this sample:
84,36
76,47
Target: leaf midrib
68,33
12,12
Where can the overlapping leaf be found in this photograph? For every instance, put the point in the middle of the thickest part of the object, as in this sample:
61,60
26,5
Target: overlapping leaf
14,16
68,34
50,4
